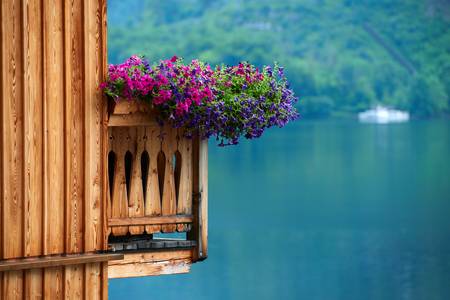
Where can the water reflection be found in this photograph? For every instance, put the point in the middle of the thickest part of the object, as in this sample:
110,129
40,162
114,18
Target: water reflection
323,210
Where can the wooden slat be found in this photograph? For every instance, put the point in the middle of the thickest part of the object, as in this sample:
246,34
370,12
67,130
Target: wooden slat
93,281
33,128
151,264
56,260
33,118
179,266
153,199
33,284
184,205
74,113
53,283
152,257
53,144
12,144
136,200
106,178
93,71
13,285
104,69
119,201
104,275
54,125
162,220
169,205
73,282
199,231
13,154
203,205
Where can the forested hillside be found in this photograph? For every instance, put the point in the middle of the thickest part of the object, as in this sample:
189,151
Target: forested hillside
342,56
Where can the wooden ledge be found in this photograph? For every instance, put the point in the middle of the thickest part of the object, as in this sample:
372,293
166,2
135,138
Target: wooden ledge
56,261
151,264
175,219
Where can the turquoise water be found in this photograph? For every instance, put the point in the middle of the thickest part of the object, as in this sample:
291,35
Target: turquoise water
323,210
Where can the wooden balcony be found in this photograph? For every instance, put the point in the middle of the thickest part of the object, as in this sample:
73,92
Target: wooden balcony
157,184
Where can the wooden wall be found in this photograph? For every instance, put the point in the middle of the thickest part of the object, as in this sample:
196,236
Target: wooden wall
51,137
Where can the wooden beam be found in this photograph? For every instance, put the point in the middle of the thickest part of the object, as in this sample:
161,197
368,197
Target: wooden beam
56,260
151,264
175,219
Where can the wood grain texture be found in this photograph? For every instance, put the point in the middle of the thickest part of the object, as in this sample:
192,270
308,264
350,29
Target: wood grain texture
13,155
199,231
33,284
73,282
184,203
119,201
52,58
54,283
13,285
54,124
93,70
151,264
153,198
155,220
33,121
74,131
40,262
93,281
169,205
203,205
136,200
33,144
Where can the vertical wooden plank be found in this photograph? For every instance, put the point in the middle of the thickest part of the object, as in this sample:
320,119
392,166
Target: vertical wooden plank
13,167
33,118
199,231
53,283
104,290
53,128
33,284
13,142
93,281
93,126
136,200
107,179
104,69
54,191
74,112
203,201
153,199
73,282
119,196
184,205
13,285
93,148
33,128
169,206
74,60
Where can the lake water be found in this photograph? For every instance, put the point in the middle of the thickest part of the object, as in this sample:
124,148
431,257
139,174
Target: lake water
323,210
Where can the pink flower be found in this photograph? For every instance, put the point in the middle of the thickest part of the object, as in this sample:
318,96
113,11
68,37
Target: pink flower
174,59
182,107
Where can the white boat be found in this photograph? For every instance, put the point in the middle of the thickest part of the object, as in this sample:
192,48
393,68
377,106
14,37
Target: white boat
383,115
